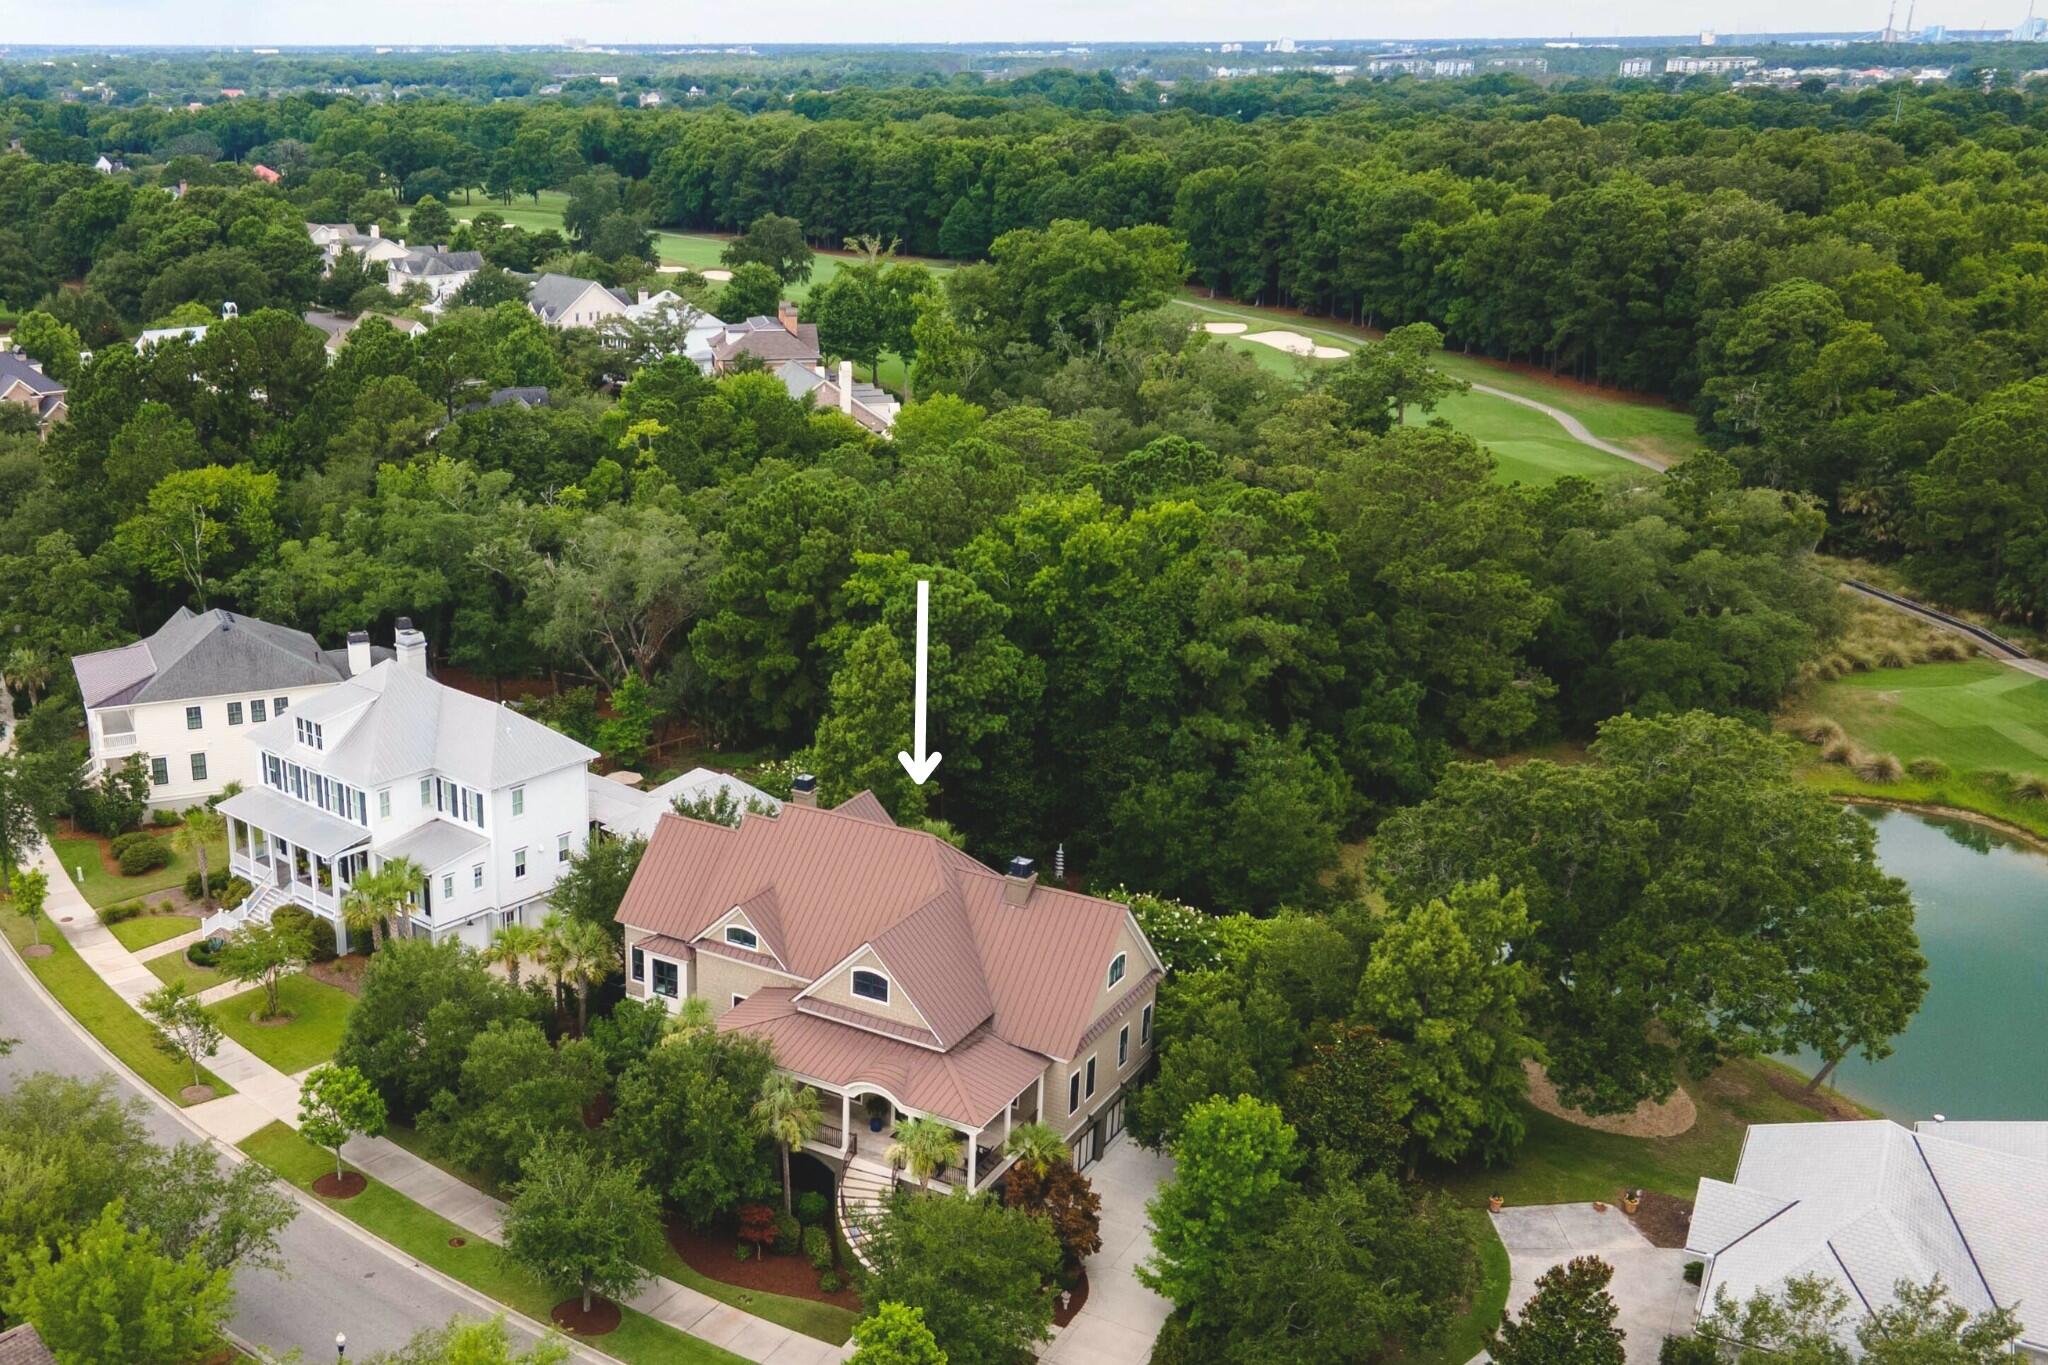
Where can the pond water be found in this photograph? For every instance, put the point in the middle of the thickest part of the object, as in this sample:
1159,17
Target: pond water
1978,1049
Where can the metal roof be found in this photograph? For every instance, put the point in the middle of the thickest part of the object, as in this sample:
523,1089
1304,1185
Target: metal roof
434,844
299,824
394,722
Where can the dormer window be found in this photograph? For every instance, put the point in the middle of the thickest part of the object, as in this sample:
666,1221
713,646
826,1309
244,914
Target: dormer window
871,986
1116,969
742,938
309,733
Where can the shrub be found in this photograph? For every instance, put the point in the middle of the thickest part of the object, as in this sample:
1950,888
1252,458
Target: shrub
818,1246
121,843
217,881
234,893
2031,788
789,1234
205,953
829,1282
757,1225
114,914
742,1252
324,948
1688,1351
1173,1346
164,819
1928,769
144,855
811,1208
318,931
1880,768
1694,1270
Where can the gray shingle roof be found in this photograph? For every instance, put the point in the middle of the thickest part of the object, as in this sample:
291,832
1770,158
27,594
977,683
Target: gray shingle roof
392,723
19,367
23,1346
208,654
550,294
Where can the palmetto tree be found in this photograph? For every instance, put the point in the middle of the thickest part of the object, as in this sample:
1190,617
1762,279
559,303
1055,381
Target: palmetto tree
582,954
510,947
692,1016
203,824
788,1116
924,1147
29,669
1037,1145
375,896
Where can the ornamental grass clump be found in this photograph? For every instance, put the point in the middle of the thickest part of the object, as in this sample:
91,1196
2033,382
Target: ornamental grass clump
1880,768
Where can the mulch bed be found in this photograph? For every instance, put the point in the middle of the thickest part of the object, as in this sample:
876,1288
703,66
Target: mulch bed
1663,1218
348,1186
37,950
344,973
196,1094
1062,1316
604,1316
708,1251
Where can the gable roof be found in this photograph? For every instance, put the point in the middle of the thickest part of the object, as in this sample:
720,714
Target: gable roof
1868,1204
423,261
847,878
551,295
768,339
16,368
207,654
397,723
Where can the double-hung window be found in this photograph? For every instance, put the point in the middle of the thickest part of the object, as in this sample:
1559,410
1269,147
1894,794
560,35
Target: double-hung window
426,791
1073,1092
561,848
476,877
1123,1046
639,965
518,862
384,804
234,713
448,885
280,705
160,772
1145,1026
1091,1075
257,715
193,718
519,800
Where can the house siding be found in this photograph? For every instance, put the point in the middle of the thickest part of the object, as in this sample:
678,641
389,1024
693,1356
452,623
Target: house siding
837,989
719,979
1110,1079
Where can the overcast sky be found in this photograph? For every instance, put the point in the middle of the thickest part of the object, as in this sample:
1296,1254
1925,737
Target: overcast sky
285,22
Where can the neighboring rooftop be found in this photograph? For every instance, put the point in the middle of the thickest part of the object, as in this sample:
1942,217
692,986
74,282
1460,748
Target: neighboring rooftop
1870,1204
397,722
551,295
207,654
23,1345
771,340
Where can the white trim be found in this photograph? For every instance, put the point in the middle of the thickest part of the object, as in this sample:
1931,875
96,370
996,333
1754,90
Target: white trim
737,915
888,985
844,963
1112,976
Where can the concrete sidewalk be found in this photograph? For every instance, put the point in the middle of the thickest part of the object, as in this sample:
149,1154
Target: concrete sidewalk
265,1094
1121,1319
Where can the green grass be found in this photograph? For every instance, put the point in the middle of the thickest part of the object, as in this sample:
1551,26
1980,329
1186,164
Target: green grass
1563,1163
319,1012
483,1266
177,967
1467,1334
146,931
826,1321
1971,715
1641,424
1529,446
105,1015
101,887
1966,792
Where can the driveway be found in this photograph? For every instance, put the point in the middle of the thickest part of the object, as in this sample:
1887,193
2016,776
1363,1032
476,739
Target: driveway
1649,1287
1118,1323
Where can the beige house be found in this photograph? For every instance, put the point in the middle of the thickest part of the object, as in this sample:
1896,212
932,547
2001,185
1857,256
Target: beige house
898,976
23,383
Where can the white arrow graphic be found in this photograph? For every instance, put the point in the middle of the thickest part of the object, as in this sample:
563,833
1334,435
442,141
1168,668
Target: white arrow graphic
921,766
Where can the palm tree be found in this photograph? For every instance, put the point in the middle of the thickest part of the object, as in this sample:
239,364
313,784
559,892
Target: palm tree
510,947
924,1147
787,1115
587,957
554,931
375,896
203,824
691,1017
29,669
1037,1145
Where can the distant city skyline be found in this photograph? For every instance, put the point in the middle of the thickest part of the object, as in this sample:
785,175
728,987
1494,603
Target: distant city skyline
229,23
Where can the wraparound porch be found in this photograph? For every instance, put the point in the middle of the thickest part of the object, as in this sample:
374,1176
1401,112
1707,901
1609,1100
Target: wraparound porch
863,1124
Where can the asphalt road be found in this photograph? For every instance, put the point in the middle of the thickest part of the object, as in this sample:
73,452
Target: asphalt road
339,1280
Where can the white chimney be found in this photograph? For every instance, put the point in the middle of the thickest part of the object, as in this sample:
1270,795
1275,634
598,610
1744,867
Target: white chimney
358,653
410,646
376,231
846,387
643,298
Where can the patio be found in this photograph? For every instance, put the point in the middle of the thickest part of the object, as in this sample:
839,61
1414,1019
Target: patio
1650,1293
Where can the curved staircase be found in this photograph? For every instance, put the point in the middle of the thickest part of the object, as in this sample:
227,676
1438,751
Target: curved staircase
864,1190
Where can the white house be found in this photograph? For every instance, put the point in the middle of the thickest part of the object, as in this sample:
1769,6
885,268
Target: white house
490,804
442,272
566,301
183,698
1870,1204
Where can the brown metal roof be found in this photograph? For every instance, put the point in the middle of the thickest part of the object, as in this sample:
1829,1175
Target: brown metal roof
963,956
970,1084
668,947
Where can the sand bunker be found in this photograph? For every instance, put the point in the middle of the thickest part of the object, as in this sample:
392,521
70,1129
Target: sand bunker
716,276
1647,1120
1294,343
1223,329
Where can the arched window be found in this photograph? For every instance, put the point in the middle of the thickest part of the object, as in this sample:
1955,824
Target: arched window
1116,969
871,985
741,938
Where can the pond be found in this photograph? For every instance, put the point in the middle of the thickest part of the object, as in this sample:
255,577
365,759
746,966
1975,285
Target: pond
1978,1049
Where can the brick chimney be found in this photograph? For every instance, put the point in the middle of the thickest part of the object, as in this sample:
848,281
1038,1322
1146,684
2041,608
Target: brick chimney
846,387
358,653
785,313
803,790
410,646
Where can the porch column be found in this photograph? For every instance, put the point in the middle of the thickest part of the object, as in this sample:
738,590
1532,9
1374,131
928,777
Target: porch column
1009,1116
1040,1101
971,1153
845,1121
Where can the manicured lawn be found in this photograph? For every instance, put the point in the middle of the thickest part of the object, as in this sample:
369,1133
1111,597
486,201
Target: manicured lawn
105,1015
318,1012
825,1321
1529,446
483,1266
1467,1334
1970,792
146,931
1971,715
1562,1163
177,967
102,887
